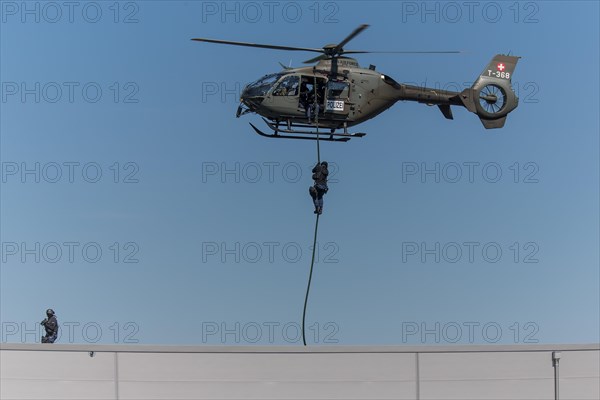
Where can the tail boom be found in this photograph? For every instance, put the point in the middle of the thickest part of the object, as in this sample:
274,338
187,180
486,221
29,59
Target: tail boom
491,97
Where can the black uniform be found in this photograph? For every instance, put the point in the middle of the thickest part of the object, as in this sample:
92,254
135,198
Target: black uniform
306,97
320,173
307,100
51,326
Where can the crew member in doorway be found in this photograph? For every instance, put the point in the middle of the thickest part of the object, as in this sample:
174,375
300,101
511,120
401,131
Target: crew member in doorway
50,324
306,97
310,103
320,173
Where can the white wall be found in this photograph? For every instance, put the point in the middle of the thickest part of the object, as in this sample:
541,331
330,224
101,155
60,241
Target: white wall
162,372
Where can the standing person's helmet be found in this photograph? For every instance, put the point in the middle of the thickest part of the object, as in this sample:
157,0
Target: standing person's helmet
324,163
49,312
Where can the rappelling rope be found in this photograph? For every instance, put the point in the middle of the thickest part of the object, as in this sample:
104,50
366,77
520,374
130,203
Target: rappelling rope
317,121
312,262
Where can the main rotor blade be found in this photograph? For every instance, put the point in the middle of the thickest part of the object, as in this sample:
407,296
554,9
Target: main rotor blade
402,52
317,58
325,57
351,36
263,46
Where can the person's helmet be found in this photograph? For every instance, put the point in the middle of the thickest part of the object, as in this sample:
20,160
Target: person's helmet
49,312
324,163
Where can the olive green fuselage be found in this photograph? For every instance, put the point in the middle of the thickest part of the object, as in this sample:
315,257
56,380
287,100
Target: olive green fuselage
367,93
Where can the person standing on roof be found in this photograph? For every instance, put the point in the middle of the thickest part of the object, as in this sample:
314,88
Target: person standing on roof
320,173
50,324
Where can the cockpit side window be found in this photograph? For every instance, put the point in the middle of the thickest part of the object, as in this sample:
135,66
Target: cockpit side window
265,80
261,86
288,86
337,90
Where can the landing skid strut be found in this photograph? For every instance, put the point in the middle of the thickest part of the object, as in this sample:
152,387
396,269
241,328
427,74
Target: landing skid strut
310,133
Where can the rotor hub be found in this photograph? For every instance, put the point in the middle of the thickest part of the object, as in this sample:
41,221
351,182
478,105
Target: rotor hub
331,50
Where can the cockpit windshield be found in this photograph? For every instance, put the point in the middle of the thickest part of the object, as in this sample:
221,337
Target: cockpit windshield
261,86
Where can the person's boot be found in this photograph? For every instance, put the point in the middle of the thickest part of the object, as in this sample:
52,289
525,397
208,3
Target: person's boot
313,194
316,210
320,210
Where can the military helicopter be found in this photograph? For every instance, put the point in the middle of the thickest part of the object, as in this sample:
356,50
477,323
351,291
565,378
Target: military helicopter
337,93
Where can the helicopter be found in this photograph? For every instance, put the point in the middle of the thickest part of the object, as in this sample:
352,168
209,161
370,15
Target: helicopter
337,93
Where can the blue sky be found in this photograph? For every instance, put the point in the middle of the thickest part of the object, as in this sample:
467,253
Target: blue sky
137,206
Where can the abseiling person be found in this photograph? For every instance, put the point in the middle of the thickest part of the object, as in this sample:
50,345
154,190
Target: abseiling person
50,324
320,173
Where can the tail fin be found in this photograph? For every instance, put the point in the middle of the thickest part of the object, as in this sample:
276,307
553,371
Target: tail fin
492,97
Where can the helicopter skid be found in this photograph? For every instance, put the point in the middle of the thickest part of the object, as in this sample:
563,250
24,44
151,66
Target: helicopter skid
310,134
278,136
